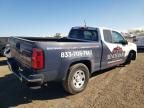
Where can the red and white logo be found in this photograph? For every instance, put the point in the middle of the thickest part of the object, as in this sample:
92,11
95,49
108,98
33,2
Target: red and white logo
117,52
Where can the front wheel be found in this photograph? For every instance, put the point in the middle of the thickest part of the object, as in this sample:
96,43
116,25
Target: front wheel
77,78
129,58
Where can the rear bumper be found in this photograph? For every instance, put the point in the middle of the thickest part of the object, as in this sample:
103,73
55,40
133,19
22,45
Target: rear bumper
33,80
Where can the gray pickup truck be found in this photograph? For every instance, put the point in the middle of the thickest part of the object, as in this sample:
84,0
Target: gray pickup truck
70,60
3,43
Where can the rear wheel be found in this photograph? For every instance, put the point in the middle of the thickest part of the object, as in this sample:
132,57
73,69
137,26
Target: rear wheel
77,78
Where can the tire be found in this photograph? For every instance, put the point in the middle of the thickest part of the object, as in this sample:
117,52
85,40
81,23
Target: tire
77,79
129,58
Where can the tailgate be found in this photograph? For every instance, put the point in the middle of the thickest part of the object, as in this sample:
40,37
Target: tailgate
21,50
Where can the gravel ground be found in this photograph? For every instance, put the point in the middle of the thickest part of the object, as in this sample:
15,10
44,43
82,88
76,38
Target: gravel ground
120,87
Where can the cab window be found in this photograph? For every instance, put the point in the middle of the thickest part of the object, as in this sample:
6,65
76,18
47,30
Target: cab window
117,37
113,36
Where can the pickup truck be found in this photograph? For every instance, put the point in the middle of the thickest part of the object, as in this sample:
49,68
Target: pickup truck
70,60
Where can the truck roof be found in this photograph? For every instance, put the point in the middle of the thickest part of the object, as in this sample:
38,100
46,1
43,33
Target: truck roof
82,27
93,28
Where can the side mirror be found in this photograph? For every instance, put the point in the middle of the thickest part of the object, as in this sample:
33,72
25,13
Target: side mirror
124,42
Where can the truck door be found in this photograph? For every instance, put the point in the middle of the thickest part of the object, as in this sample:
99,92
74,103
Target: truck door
114,49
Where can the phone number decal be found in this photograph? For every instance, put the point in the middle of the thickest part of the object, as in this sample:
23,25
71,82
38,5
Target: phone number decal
80,53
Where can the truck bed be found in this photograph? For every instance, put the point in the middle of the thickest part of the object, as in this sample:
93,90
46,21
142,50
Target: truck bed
22,47
51,39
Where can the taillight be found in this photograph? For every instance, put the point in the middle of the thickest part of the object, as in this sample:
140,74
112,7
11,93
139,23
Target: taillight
37,59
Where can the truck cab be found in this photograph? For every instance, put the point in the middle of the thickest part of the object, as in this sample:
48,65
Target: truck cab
115,48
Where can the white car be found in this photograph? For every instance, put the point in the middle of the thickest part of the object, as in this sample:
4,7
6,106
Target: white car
139,41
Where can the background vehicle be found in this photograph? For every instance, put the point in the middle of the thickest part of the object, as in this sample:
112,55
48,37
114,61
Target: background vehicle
70,60
139,41
3,42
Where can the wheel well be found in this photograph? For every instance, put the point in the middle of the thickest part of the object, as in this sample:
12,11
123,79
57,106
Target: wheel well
134,54
86,62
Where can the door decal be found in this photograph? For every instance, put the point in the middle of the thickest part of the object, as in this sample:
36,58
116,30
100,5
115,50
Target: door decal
116,53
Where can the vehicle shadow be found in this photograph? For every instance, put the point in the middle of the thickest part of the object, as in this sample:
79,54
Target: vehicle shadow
102,71
14,93
3,62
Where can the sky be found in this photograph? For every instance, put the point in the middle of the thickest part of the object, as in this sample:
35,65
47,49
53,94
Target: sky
47,17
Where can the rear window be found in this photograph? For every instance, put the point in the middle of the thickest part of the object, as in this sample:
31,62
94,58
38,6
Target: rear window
84,34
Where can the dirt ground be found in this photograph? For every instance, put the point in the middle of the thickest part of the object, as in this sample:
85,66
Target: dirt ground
121,87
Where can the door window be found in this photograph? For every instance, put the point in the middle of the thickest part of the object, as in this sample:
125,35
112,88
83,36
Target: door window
113,36
117,37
